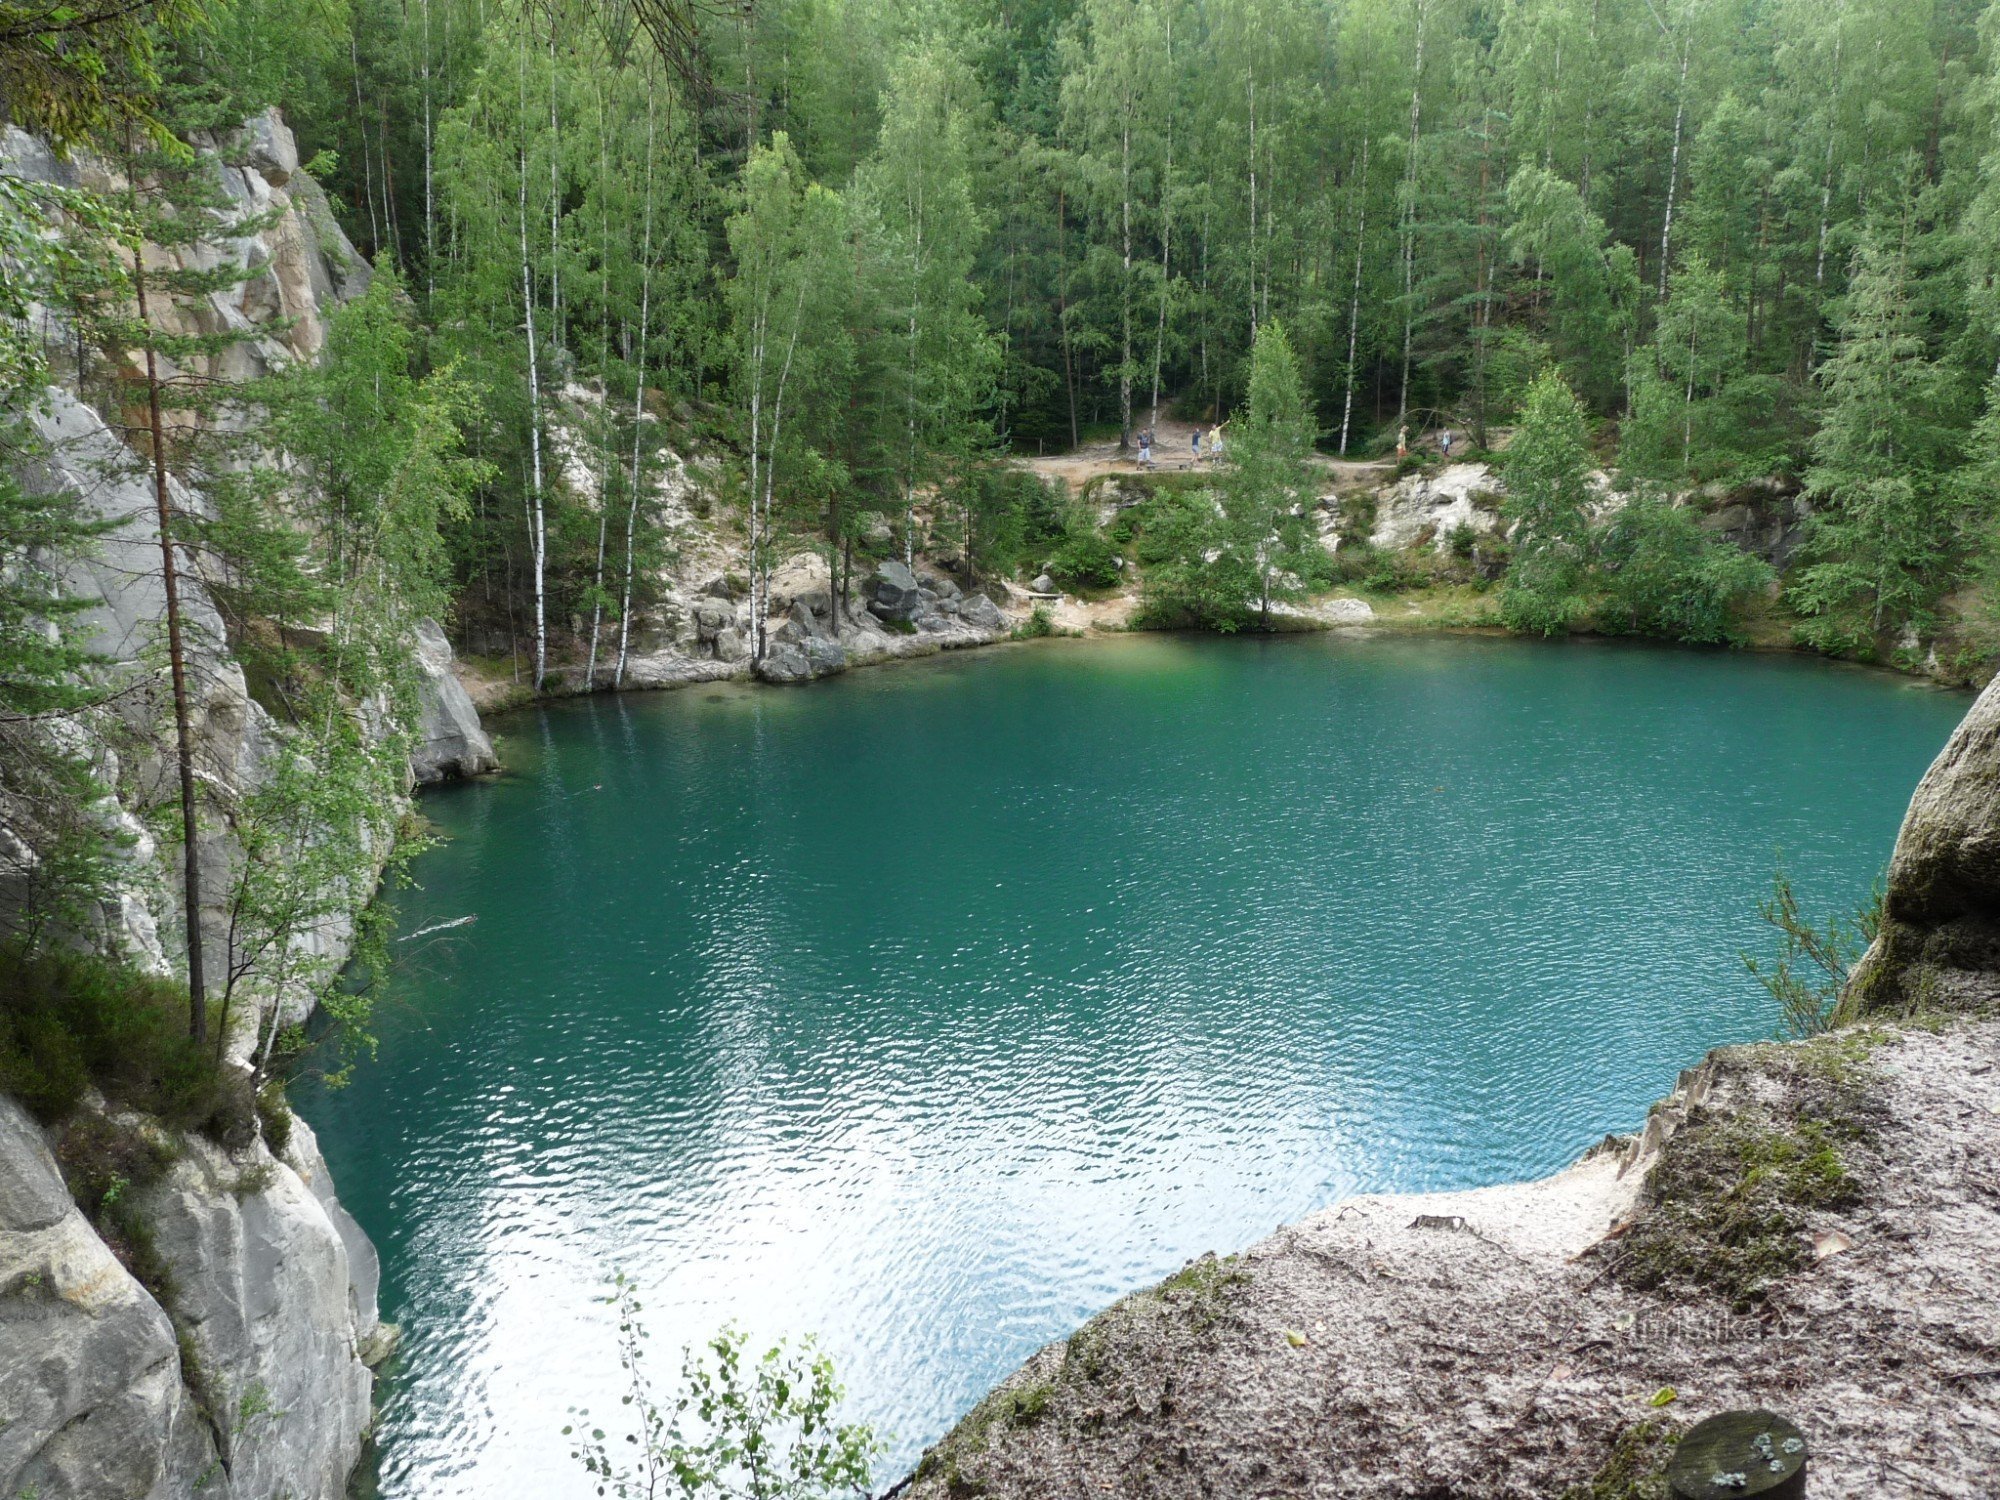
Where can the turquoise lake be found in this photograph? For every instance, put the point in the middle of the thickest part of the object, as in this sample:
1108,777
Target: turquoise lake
932,1008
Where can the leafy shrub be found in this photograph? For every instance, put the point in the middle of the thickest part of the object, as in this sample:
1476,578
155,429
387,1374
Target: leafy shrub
1665,576
1035,626
742,1427
1085,560
69,1021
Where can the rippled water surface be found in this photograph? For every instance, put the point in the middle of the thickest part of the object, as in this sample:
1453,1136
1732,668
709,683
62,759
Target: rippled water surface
931,1009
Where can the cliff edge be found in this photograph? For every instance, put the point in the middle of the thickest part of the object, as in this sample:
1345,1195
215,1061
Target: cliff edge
1811,1227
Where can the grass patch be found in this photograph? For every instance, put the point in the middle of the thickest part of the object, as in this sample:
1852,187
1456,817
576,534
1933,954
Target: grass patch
70,1022
1636,1468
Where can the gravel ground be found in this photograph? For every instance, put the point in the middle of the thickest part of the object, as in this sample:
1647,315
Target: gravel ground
1820,1235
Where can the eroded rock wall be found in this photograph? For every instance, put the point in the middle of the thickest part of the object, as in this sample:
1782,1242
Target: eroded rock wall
1939,947
243,1371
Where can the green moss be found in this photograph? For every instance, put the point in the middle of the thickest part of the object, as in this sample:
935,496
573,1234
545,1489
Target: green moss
1201,1288
274,1116
1636,1468
1729,1196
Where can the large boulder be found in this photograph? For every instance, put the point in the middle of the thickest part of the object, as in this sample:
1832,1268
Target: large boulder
450,739
1940,940
894,593
981,613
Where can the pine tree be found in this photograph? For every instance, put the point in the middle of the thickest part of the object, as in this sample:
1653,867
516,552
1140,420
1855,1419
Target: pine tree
1885,528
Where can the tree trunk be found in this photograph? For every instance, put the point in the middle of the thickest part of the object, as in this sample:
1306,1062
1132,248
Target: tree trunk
1674,167
537,520
1354,302
1410,215
638,398
1125,286
177,661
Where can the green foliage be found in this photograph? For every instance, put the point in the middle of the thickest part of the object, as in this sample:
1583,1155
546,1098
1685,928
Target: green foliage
70,1022
1886,529
1664,576
1812,966
1085,558
1547,490
739,1427
73,72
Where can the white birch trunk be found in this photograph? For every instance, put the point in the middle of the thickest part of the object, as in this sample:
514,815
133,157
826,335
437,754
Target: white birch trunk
1354,301
1410,215
638,400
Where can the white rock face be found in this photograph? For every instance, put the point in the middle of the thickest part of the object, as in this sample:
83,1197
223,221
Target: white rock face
92,1405
450,739
250,1383
1460,495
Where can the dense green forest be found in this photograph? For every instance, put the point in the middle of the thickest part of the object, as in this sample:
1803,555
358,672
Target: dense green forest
862,249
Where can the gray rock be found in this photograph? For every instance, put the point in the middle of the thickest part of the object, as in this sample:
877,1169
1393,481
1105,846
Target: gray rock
264,1299
826,656
981,613
808,623
450,740
710,620
1940,940
1043,584
894,593
90,1381
785,661
268,147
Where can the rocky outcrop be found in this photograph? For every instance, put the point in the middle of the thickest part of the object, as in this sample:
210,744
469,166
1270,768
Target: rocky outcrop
1939,945
1767,518
450,740
1427,509
239,1371
92,1403
255,1385
701,631
1806,1228
1551,1340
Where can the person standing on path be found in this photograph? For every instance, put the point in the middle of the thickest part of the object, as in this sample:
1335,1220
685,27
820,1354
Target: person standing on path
1444,442
1197,445
1402,442
1215,445
1146,449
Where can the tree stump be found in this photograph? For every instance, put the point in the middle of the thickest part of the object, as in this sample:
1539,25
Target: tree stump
1737,1454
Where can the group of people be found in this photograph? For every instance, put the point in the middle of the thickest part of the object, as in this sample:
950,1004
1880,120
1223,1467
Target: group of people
1213,455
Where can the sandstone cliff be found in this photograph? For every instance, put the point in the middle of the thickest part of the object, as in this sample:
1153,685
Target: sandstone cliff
241,1368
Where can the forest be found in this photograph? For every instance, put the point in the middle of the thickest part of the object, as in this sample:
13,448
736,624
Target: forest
859,251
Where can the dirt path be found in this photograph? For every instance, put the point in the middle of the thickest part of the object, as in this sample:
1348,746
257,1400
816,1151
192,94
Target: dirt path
1173,452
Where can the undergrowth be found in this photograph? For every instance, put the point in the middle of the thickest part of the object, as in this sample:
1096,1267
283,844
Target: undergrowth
70,1022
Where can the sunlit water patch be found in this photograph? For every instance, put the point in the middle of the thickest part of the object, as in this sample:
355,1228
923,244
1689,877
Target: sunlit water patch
931,1009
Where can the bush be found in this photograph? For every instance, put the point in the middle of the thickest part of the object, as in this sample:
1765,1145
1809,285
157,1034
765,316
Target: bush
1665,576
69,1021
1085,560
1035,626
